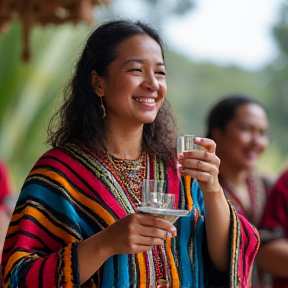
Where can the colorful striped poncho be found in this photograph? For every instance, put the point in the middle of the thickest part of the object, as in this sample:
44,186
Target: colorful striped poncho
69,196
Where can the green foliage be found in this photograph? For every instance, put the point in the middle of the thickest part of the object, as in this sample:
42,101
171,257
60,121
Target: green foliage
277,73
29,90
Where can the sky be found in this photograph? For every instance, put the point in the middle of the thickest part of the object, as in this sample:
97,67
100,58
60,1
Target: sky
226,32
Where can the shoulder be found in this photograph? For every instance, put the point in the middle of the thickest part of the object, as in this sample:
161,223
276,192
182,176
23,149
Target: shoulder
281,186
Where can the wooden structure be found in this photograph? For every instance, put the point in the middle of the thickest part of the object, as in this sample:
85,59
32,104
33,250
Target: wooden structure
43,12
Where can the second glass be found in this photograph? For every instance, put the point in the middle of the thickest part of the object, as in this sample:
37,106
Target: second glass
154,195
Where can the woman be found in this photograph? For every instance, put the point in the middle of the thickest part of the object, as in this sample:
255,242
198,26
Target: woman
273,254
238,124
75,222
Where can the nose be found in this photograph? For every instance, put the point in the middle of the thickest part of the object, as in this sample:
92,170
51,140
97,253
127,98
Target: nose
150,82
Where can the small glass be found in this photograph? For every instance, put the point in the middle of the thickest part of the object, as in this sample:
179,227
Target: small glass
186,143
154,195
157,203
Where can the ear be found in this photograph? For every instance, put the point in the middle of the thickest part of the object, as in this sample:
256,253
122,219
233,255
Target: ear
97,83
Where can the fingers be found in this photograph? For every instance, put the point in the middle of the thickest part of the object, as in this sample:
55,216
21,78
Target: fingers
155,222
208,144
138,232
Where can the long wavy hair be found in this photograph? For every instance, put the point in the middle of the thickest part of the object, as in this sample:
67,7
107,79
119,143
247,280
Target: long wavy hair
80,116
224,111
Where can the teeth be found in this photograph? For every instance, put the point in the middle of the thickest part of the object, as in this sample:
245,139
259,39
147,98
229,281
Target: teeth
145,100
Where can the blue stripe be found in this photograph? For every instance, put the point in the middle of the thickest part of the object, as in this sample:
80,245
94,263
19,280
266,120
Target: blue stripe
123,272
108,274
185,268
57,202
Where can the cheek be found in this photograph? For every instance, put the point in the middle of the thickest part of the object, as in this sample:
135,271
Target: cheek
239,138
263,143
163,89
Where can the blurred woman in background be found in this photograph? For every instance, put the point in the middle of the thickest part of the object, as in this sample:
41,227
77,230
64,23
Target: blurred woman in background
6,201
273,253
239,124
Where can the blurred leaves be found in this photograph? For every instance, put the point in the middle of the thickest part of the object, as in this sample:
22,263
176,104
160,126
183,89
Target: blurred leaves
29,91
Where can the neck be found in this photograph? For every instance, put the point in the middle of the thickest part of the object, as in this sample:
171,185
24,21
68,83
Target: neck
125,144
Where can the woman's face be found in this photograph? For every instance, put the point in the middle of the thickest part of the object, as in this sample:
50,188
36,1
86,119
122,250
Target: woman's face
135,85
244,137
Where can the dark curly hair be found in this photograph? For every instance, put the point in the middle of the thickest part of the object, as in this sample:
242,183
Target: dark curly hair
224,111
80,116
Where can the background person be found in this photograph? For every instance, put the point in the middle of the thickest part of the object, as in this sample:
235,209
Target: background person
238,124
6,197
273,253
75,222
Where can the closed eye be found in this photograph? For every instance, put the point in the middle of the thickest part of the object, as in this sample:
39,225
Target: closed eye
135,70
161,73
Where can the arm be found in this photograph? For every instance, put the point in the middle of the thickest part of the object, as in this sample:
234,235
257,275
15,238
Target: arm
203,166
273,257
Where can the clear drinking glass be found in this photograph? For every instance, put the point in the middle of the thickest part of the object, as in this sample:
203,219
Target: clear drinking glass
154,195
186,143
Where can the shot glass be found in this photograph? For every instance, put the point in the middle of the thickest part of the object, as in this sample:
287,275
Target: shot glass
186,143
154,195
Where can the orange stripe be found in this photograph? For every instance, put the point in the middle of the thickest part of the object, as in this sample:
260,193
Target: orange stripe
67,267
234,240
41,218
90,204
12,259
142,270
187,181
174,273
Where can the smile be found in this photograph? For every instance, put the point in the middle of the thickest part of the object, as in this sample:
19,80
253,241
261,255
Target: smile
145,100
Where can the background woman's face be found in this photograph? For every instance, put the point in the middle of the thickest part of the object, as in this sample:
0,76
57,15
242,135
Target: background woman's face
135,86
244,137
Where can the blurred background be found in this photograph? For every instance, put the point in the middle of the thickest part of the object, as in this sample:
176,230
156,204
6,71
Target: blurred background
213,48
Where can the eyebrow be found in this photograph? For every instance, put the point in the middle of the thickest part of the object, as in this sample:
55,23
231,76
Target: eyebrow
139,60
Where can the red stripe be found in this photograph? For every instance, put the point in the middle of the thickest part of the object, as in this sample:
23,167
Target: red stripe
96,185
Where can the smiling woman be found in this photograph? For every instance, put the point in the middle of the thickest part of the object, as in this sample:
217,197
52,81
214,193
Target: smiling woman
76,221
239,125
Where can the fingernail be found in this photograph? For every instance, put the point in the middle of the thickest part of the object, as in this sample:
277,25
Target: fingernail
198,139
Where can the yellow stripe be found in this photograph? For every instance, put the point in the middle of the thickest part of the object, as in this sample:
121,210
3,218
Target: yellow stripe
142,270
90,204
174,273
187,181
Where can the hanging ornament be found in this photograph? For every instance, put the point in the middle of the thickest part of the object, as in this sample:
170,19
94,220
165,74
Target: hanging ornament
42,12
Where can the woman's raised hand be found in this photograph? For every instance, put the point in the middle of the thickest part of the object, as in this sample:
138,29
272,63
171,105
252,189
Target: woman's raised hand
202,165
137,233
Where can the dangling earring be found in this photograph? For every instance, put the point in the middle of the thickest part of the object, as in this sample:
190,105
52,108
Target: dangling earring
102,108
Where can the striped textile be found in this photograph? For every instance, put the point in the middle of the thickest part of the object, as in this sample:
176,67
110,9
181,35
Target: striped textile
69,196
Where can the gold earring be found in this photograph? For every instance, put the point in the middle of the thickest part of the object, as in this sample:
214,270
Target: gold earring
102,108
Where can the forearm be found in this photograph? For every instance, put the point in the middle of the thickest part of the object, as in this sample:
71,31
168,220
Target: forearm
92,253
217,220
273,257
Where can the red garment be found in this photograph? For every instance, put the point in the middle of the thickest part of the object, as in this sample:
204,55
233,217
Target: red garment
276,215
5,189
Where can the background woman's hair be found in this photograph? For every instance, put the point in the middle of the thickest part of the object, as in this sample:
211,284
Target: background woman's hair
224,111
80,116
